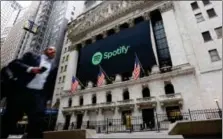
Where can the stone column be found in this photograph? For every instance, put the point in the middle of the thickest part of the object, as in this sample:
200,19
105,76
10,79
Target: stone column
178,55
71,68
117,113
147,17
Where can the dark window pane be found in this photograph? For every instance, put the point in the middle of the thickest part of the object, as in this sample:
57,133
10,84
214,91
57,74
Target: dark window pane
194,5
206,2
211,13
206,36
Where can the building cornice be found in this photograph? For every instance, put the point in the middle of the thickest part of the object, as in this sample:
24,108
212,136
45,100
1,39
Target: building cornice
177,71
104,14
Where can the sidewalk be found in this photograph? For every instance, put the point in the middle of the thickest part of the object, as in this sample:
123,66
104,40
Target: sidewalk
148,134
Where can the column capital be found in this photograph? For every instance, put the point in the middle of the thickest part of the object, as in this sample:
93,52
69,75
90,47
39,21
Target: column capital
131,22
93,39
104,33
166,7
117,29
146,16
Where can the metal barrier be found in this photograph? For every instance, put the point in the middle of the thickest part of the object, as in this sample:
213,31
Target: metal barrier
138,124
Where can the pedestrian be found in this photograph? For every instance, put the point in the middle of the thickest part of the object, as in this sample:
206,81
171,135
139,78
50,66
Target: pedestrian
35,79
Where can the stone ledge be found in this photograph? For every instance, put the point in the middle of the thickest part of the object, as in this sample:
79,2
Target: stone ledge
177,71
194,128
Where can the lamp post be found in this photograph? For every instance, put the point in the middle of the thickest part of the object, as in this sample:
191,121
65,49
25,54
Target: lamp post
219,109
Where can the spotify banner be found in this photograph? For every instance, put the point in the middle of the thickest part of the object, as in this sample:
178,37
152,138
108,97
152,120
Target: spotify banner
116,53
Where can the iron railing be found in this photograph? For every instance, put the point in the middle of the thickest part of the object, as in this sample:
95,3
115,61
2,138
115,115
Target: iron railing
137,124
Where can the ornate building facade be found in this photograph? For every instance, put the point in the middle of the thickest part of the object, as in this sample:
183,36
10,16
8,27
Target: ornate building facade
186,42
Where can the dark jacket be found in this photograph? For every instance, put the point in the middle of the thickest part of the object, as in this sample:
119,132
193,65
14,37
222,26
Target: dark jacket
19,68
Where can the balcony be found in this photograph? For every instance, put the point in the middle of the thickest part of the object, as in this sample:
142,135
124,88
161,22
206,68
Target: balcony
146,102
107,106
125,104
171,99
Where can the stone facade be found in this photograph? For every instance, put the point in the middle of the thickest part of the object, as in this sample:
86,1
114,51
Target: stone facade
197,81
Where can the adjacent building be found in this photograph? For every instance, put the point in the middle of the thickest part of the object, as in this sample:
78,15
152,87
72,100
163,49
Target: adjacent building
17,35
9,14
51,19
182,61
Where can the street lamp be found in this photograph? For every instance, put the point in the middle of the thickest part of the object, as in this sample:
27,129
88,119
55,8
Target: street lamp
219,109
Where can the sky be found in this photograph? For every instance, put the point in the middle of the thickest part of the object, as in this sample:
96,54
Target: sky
24,3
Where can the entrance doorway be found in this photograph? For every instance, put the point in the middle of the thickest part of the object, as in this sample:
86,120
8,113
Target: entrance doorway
79,120
148,118
67,122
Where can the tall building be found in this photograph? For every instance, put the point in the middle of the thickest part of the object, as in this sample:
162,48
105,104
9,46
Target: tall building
9,14
7,9
52,22
17,35
178,44
51,18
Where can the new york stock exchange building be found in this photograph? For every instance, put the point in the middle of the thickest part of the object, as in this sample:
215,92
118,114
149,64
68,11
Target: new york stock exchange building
178,45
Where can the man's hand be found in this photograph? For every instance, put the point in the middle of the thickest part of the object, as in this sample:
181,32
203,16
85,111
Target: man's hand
35,70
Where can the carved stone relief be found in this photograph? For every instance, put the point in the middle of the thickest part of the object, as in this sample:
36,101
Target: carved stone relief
166,7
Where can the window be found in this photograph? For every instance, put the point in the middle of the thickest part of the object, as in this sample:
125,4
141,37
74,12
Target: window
169,89
145,92
214,55
199,17
126,95
65,50
81,100
211,13
206,36
71,19
63,79
94,99
72,13
59,79
218,32
70,102
194,5
109,97
67,57
65,68
61,69
206,2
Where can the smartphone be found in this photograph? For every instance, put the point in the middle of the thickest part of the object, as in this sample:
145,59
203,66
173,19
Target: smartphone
43,69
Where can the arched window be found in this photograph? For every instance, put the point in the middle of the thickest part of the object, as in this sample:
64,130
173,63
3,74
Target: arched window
169,89
70,102
145,92
94,99
109,97
81,101
126,95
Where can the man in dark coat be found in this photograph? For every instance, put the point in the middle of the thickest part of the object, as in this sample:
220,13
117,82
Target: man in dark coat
33,87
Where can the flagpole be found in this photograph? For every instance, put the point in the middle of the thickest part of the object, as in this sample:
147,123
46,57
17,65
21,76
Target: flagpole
80,82
104,72
140,64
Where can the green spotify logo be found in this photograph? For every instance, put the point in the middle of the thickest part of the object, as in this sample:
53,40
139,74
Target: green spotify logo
98,56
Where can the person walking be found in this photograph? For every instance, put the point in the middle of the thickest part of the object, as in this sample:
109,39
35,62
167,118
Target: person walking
34,77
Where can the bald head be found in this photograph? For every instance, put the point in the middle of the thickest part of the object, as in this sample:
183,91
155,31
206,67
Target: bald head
50,52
